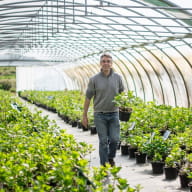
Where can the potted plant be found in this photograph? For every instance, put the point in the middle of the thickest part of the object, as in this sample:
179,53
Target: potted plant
93,129
183,175
140,157
124,138
157,144
173,162
134,141
140,154
190,186
91,125
124,145
190,181
171,167
157,164
125,101
185,171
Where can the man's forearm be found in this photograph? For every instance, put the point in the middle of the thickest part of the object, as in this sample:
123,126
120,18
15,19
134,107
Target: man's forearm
86,106
85,120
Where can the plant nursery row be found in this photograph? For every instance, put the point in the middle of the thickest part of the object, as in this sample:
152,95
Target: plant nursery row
36,155
159,134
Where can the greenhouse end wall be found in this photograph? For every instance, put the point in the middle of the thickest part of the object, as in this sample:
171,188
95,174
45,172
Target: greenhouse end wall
43,79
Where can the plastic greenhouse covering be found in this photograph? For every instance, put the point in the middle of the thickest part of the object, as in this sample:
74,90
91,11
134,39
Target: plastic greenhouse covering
56,44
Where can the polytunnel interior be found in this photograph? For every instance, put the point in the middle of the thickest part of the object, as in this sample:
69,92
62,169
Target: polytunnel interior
57,44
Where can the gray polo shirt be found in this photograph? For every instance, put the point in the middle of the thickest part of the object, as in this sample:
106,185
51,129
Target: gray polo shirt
103,89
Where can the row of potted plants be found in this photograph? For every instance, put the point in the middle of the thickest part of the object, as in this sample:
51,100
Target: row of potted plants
154,130
68,104
161,134
165,154
35,155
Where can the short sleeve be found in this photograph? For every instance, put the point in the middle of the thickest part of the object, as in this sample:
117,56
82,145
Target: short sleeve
121,86
90,92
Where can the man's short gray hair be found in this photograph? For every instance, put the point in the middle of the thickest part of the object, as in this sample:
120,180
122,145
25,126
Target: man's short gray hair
105,55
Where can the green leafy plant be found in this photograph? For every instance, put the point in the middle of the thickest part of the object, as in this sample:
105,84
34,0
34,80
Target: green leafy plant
157,157
175,157
157,146
126,100
37,156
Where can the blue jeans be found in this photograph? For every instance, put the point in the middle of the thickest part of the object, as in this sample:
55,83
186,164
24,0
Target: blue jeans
108,129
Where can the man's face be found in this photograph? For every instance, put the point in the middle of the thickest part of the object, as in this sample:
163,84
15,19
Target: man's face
106,63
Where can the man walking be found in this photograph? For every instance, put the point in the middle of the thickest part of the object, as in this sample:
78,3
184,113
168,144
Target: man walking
103,87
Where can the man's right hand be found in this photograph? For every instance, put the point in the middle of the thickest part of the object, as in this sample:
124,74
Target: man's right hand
85,121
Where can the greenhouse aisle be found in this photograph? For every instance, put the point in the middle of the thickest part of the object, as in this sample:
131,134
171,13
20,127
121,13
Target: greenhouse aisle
134,173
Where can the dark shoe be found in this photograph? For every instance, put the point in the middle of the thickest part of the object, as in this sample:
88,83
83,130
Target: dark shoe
112,162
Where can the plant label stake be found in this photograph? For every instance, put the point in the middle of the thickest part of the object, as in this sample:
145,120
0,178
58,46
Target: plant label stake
166,134
132,126
151,138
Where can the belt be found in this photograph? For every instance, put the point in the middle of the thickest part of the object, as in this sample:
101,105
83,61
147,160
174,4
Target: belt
106,112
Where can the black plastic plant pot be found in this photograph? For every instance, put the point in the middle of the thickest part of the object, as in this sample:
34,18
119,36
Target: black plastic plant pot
66,119
74,123
124,150
190,186
124,116
93,130
140,157
132,152
170,173
157,167
85,128
118,145
184,180
79,125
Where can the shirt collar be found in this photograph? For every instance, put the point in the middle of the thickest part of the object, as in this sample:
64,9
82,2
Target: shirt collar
111,72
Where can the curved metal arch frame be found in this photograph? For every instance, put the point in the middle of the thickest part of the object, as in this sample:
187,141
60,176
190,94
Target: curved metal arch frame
167,73
179,71
129,72
105,2
121,69
139,75
148,76
67,20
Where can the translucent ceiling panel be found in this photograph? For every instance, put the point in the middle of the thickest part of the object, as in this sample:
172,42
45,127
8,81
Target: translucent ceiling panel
138,83
93,62
183,3
122,63
173,85
143,74
161,73
153,90
121,20
183,67
44,19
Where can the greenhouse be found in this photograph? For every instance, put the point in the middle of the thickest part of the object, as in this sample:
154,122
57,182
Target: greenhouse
51,49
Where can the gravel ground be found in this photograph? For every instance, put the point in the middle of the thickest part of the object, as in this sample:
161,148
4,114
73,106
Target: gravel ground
134,173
